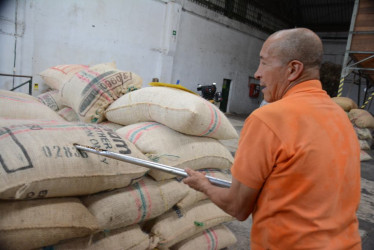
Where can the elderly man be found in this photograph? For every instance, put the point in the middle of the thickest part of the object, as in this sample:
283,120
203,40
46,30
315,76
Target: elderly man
297,167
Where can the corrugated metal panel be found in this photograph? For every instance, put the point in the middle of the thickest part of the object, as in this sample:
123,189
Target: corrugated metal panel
245,11
272,15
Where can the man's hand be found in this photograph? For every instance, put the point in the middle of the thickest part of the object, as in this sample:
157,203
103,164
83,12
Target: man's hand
196,180
238,200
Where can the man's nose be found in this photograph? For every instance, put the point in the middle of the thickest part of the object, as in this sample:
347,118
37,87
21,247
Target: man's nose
257,74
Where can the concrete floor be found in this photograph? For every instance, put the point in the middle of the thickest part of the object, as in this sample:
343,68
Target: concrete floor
365,212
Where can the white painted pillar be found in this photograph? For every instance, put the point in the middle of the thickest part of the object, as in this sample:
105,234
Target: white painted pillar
169,42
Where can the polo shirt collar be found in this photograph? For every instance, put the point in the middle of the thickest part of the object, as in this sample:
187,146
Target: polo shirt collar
304,86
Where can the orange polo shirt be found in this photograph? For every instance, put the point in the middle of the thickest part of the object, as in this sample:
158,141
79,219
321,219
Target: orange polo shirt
304,155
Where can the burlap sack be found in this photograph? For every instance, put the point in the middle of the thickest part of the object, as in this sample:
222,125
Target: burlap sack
176,109
364,156
17,105
56,76
131,237
194,196
37,223
68,114
178,225
364,144
345,103
361,118
39,160
140,202
363,133
90,91
167,146
217,237
111,125
51,99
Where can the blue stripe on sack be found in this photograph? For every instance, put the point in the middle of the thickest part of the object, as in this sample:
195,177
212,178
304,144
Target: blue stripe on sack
144,207
212,239
214,124
131,137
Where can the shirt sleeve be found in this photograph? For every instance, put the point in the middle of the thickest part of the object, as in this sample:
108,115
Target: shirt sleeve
257,153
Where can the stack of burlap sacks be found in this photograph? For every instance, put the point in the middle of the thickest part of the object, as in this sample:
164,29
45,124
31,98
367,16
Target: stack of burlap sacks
363,123
53,195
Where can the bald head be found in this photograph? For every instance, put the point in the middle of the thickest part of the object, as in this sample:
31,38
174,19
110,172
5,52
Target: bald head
297,44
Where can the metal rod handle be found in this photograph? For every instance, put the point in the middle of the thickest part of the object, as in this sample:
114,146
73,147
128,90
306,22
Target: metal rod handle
149,164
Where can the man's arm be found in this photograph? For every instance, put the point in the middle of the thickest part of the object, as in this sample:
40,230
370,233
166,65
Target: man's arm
238,200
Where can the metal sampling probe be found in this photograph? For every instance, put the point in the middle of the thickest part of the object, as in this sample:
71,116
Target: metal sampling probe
148,164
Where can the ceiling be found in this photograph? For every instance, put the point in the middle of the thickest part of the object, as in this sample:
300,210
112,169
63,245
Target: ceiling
273,15
318,15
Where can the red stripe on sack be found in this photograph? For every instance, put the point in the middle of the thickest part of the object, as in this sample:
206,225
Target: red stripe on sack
44,122
85,79
139,130
49,129
148,198
93,86
138,203
63,67
70,68
215,238
208,240
140,133
214,122
128,134
19,100
93,72
103,94
66,110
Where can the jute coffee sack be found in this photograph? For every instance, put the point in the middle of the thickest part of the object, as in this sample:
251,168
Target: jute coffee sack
51,99
364,144
57,75
361,118
194,196
38,223
217,237
345,103
177,225
40,160
176,109
363,133
23,106
131,237
166,146
68,114
111,125
364,156
140,202
90,91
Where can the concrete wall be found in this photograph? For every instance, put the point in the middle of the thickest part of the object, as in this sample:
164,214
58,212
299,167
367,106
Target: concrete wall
212,48
16,36
163,39
169,40
128,32
334,50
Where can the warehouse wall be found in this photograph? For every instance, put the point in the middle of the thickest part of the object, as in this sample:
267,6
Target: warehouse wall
169,40
334,50
212,48
89,32
16,48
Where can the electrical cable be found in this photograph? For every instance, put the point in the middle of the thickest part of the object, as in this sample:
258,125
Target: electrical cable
15,41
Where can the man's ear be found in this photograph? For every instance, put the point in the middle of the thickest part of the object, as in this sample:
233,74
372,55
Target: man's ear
295,68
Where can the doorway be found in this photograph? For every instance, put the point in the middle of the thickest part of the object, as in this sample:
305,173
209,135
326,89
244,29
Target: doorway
225,95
